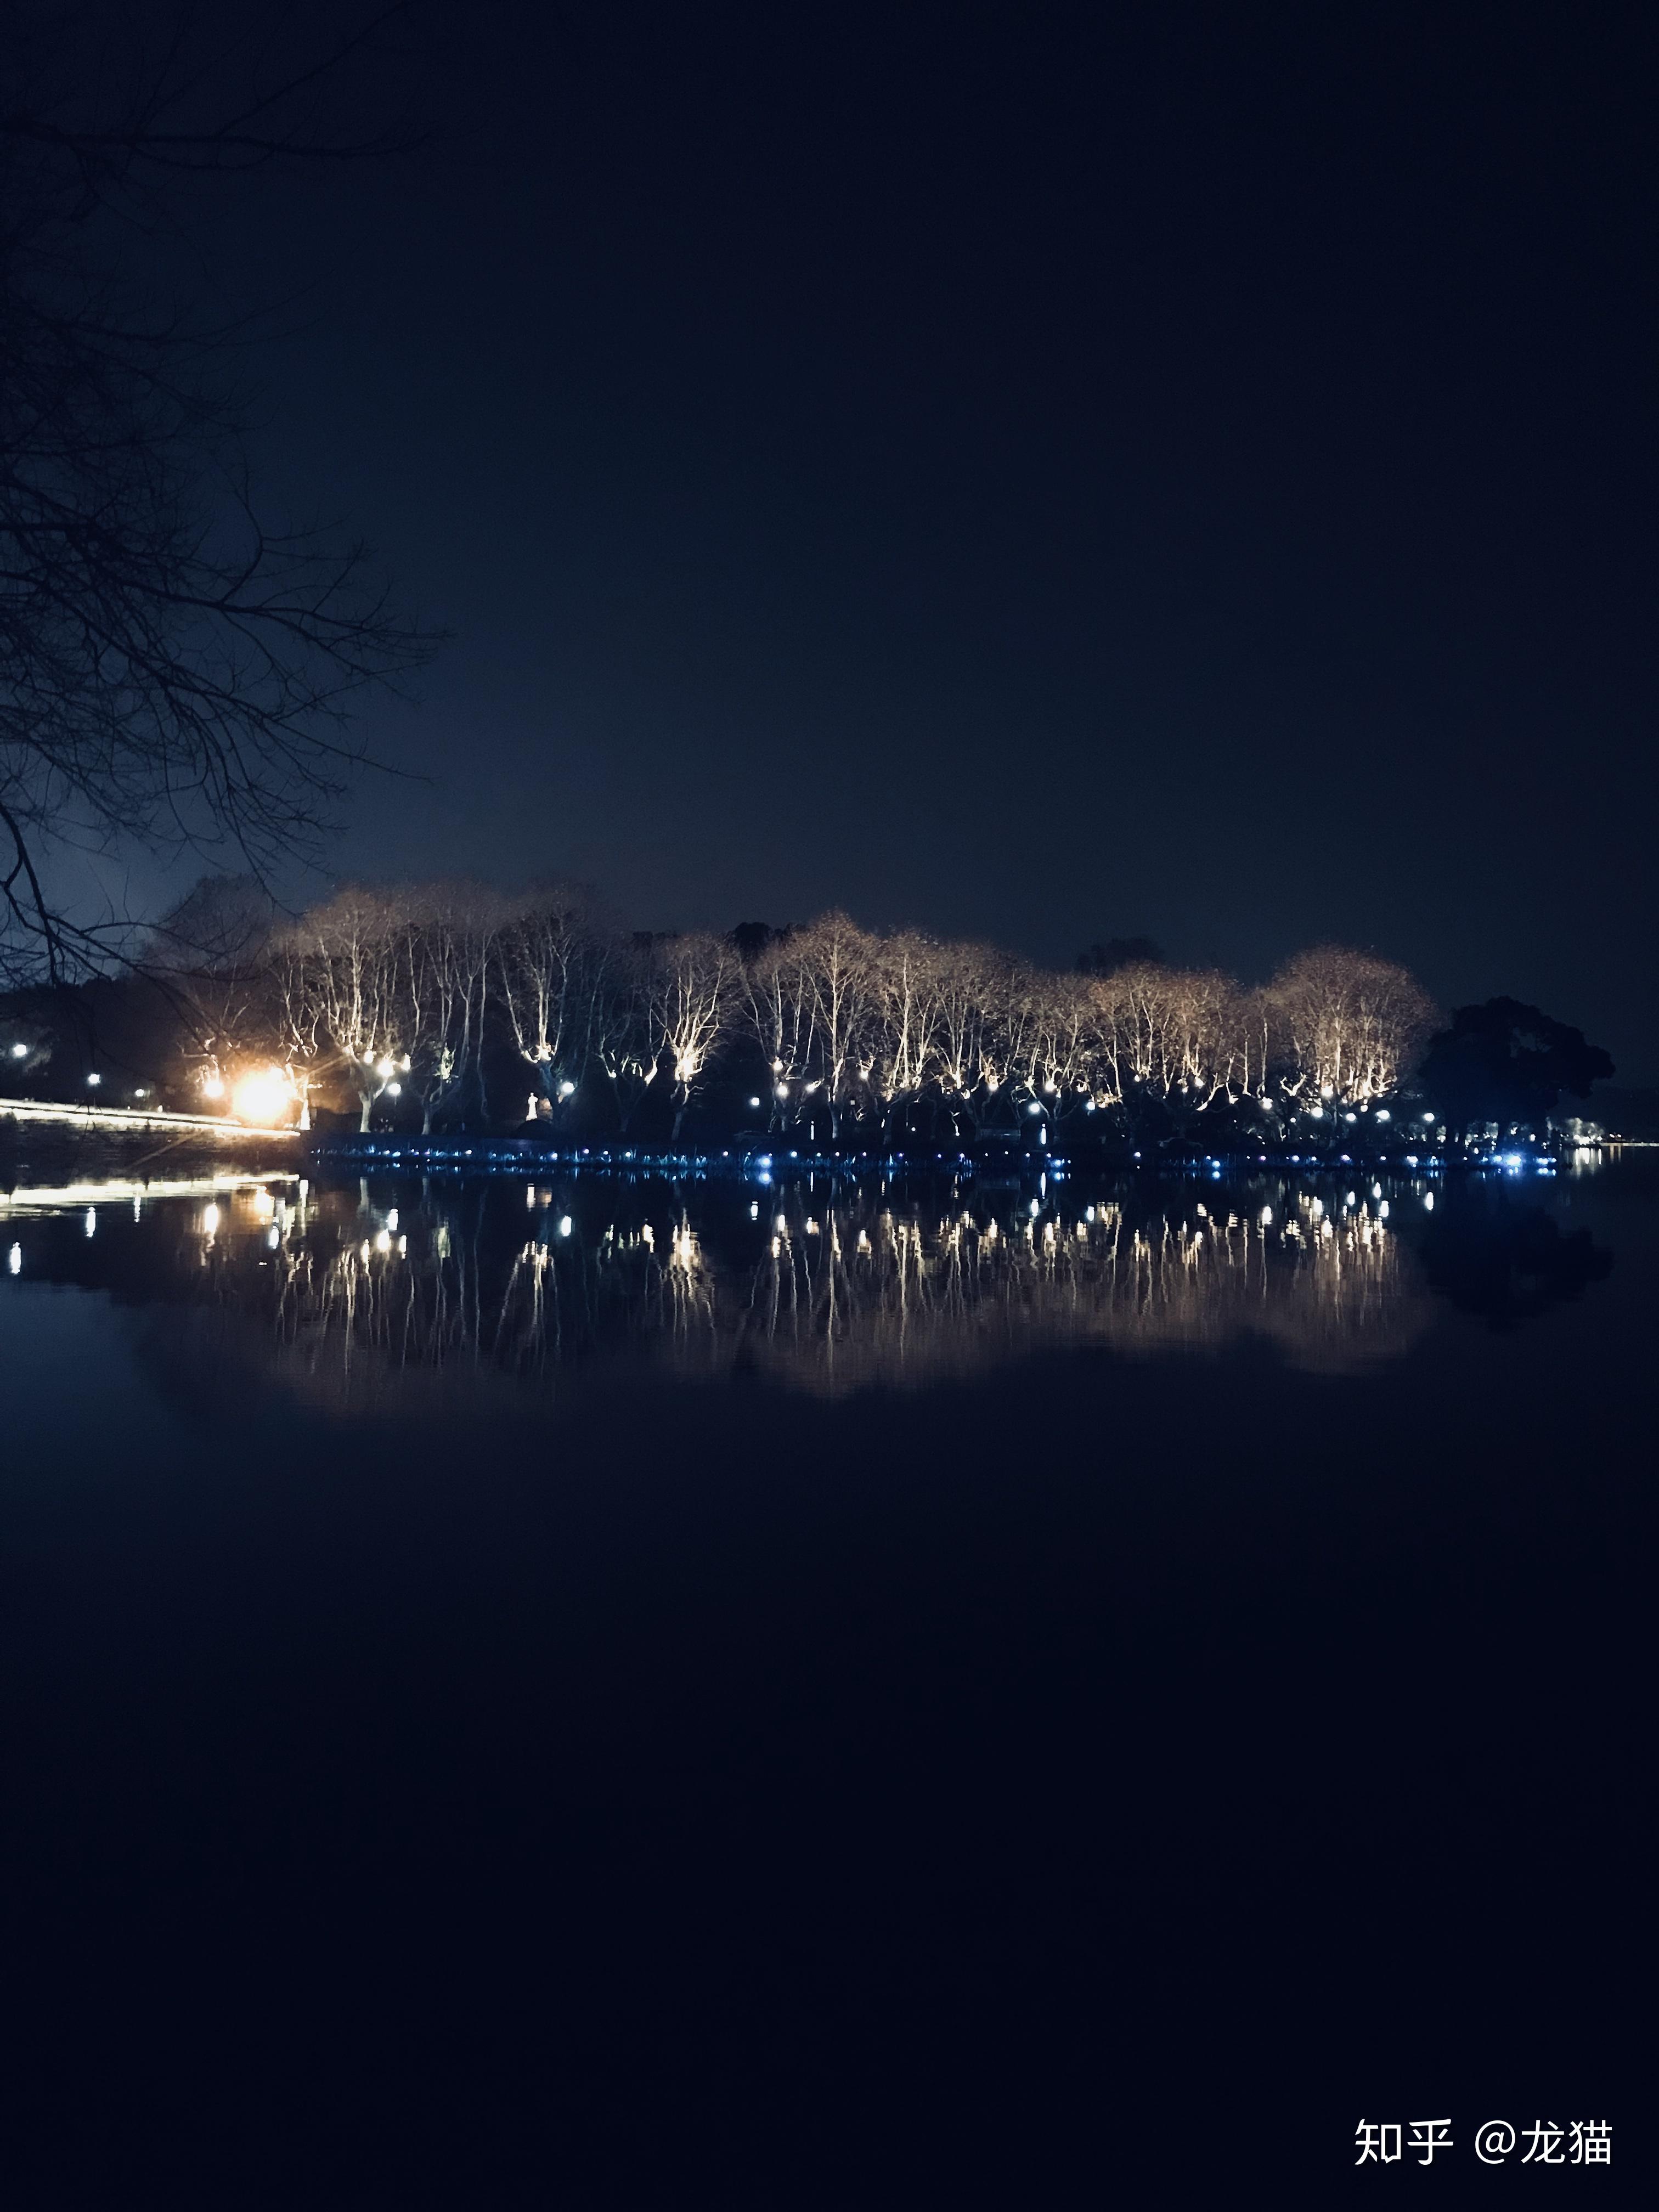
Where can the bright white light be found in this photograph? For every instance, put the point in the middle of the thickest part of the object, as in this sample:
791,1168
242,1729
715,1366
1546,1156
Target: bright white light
212,1087
1382,1211
565,1225
1428,1201
19,1052
1318,1112
383,1242
565,1090
1036,1209
141,1094
1428,1117
15,1261
260,1096
394,1091
392,1220
754,1209
1382,1113
782,1091
94,1080
753,1104
384,1068
92,1221
274,1237
210,1221
1350,1117
1267,1216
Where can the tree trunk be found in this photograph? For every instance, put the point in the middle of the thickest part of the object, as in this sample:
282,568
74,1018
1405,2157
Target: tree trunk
363,1120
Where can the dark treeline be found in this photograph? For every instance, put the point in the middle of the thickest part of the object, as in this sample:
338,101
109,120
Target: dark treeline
450,1004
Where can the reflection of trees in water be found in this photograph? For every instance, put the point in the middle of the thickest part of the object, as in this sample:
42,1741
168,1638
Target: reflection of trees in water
840,1295
892,1297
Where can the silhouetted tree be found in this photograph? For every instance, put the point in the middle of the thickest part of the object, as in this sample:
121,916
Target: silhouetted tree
173,668
1106,957
1507,1062
207,959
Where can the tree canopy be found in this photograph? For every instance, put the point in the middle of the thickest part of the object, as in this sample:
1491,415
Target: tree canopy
1509,1062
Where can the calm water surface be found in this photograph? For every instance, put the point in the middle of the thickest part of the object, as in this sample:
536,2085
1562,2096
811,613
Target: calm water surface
622,1693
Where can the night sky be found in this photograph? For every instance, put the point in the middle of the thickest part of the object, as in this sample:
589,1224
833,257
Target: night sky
1033,473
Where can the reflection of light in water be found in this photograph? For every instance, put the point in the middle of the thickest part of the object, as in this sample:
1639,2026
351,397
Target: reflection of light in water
57,1198
876,1294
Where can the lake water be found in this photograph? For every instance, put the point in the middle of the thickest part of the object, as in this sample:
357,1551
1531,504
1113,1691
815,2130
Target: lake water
607,1692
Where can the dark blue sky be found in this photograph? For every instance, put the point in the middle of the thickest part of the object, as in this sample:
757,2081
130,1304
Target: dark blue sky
1036,472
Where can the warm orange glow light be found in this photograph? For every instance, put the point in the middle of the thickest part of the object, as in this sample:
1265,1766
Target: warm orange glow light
262,1096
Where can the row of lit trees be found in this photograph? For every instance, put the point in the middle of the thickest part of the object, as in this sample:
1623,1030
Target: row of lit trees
414,992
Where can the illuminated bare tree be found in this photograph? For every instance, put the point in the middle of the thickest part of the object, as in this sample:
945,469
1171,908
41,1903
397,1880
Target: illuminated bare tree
297,1016
447,953
344,964
837,960
625,1044
1347,1027
964,986
552,957
899,1053
777,997
691,993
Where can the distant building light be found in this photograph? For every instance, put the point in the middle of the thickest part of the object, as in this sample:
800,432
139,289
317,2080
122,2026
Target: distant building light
19,1052
94,1080
15,1261
754,1102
